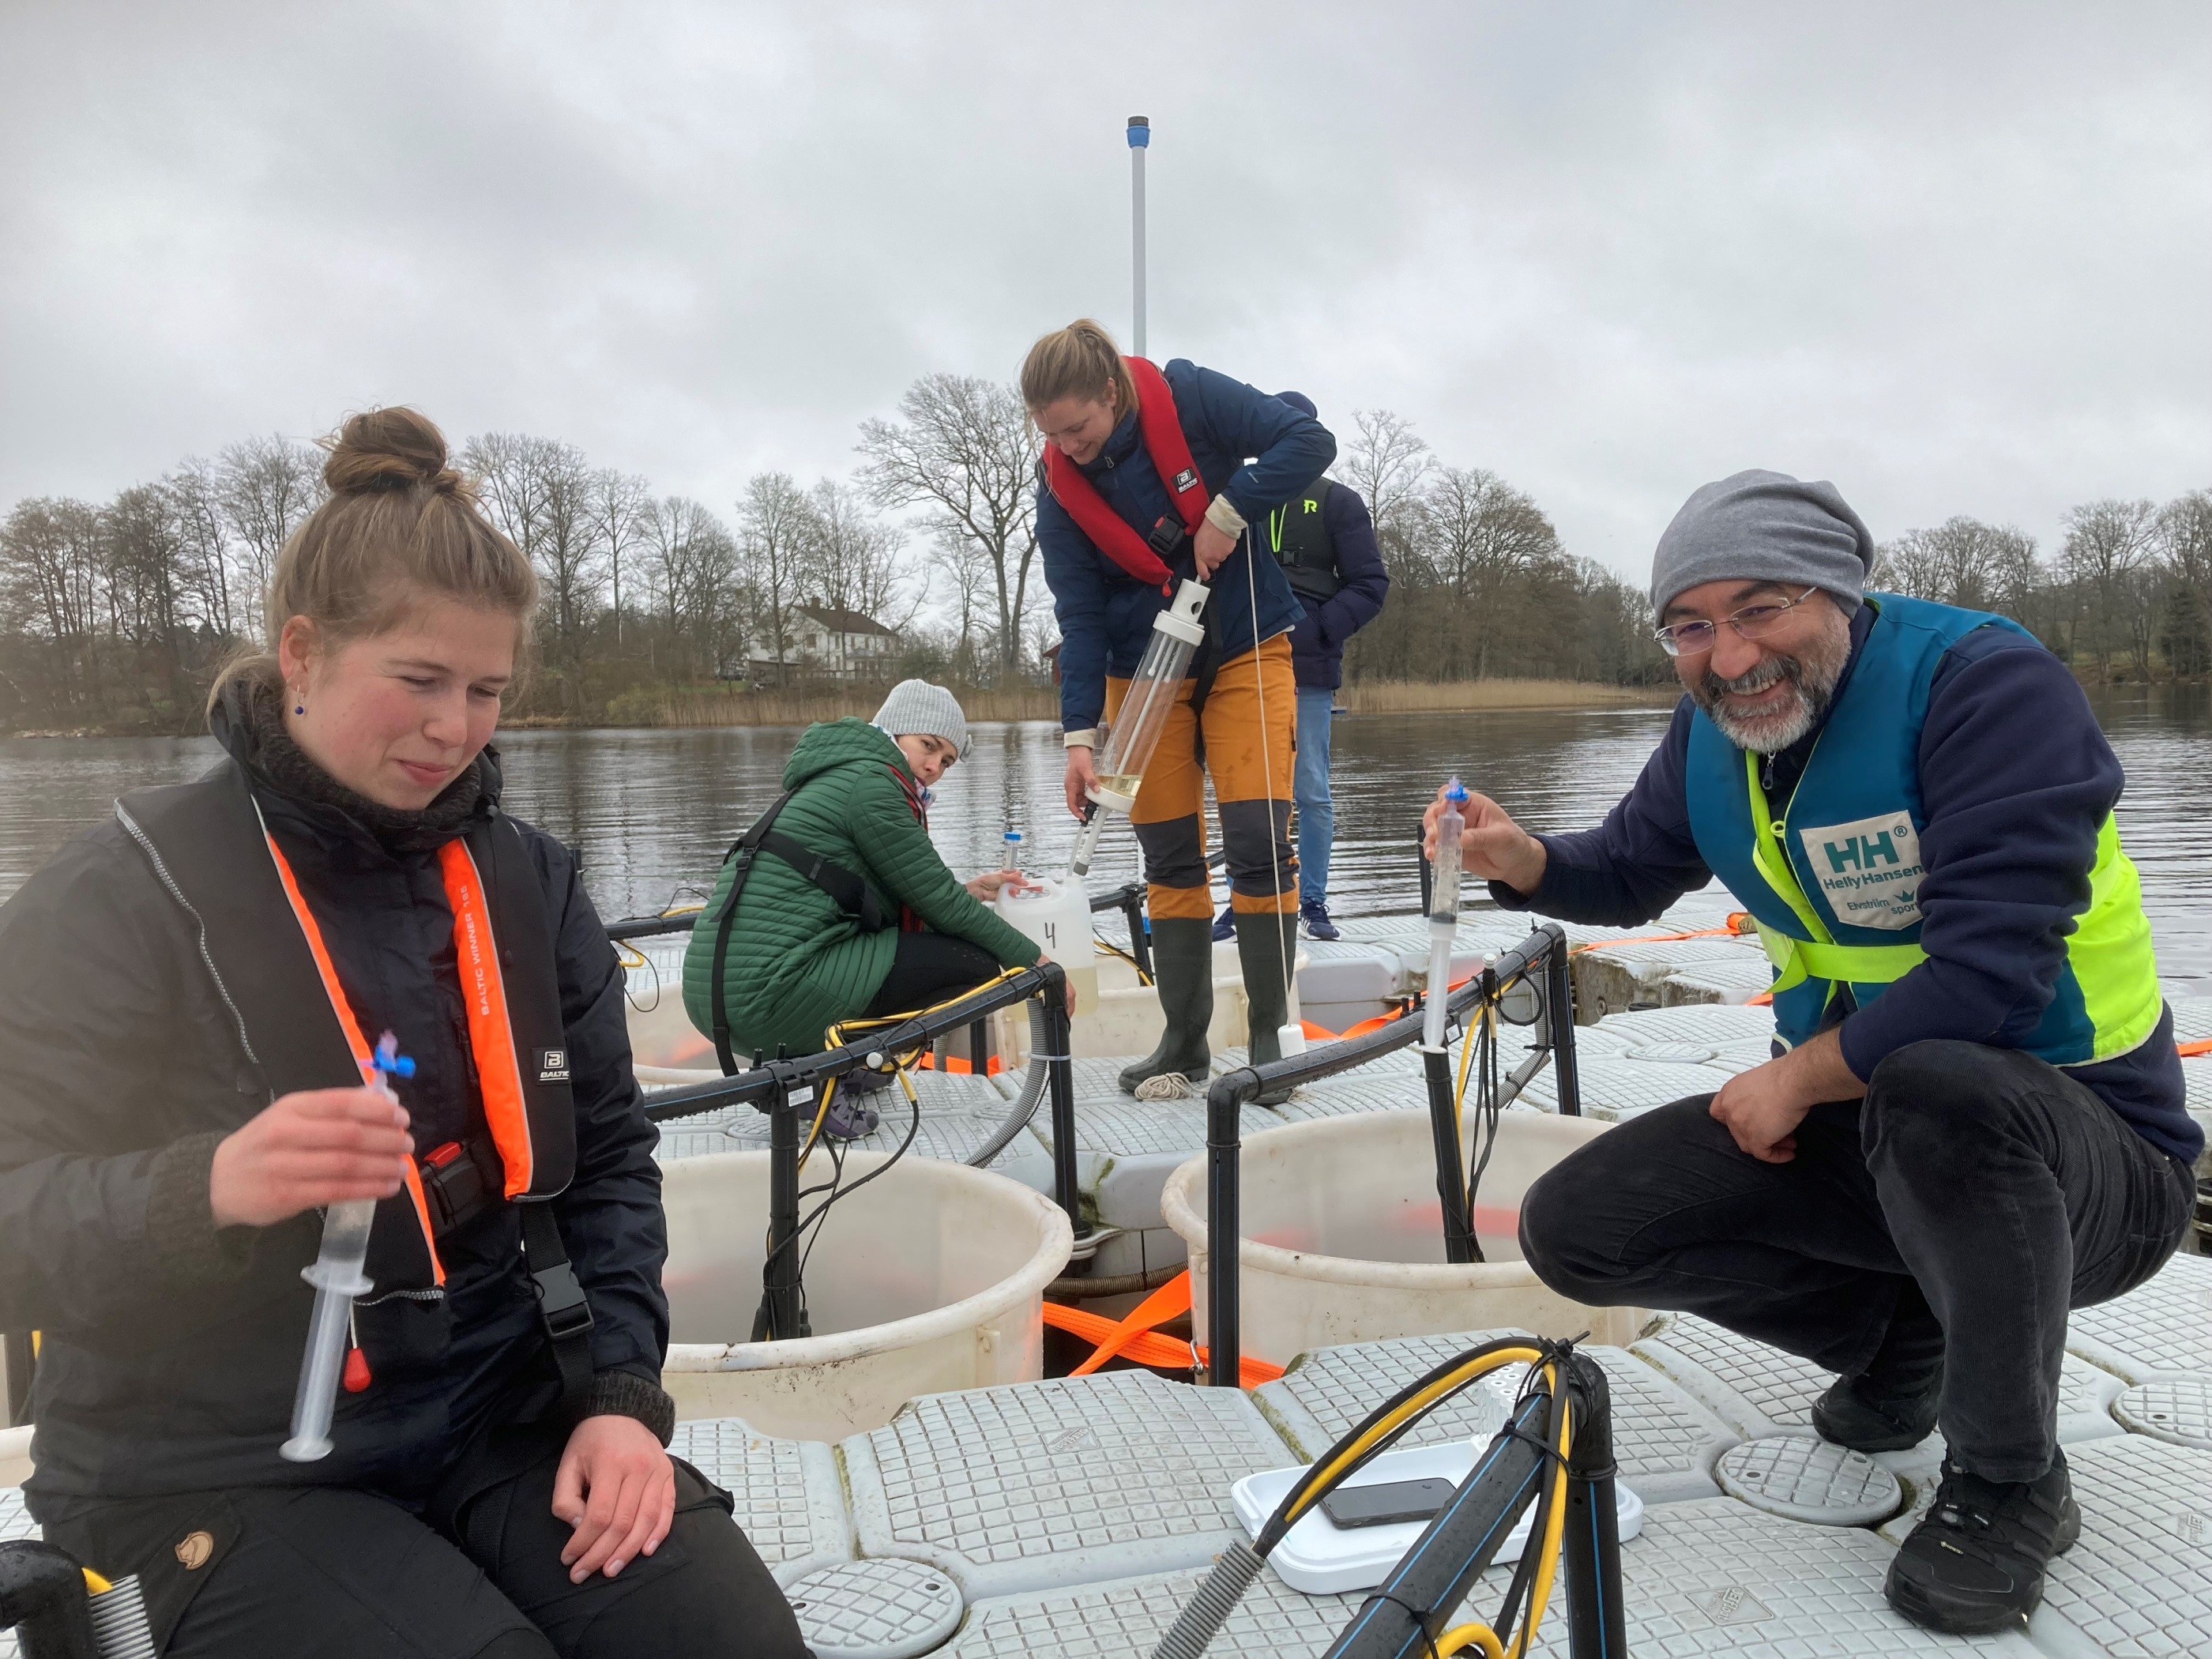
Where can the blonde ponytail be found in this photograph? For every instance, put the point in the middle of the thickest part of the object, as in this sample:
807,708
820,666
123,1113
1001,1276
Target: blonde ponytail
1080,360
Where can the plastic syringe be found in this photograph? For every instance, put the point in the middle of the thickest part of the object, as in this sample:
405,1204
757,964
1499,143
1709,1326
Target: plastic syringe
1135,731
338,1277
1443,912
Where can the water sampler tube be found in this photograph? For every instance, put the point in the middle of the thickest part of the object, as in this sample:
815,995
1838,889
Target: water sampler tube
1135,733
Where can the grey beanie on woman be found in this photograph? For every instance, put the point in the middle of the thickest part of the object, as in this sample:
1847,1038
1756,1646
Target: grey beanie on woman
916,707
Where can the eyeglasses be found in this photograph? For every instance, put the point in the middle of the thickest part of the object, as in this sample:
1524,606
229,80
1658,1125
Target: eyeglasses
1694,639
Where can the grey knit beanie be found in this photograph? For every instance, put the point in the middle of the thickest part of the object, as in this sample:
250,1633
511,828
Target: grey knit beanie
916,706
1764,526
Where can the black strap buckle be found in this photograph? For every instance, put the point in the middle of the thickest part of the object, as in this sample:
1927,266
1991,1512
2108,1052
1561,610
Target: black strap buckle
561,1302
1167,535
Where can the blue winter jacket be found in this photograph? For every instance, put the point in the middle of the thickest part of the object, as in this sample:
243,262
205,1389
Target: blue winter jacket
2015,777
1105,614
1317,643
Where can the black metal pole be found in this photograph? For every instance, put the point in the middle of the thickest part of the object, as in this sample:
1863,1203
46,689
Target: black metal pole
19,1357
1560,1016
1225,1112
1460,1244
1597,1627
779,1279
44,1601
979,1040
1060,1074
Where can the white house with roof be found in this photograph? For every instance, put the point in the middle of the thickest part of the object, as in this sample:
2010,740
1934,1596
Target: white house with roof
824,640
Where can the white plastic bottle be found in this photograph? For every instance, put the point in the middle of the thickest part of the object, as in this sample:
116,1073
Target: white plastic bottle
1057,916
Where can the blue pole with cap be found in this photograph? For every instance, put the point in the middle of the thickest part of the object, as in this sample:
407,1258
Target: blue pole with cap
1141,138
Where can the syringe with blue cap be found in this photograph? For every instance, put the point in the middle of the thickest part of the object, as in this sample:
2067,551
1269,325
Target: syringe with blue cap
338,1277
1443,910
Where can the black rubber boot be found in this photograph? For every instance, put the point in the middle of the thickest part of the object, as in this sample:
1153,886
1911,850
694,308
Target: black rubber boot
1975,1563
1266,945
1891,1406
1182,968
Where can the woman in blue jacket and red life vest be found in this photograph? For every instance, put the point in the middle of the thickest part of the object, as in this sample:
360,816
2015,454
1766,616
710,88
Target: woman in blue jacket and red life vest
1146,481
188,993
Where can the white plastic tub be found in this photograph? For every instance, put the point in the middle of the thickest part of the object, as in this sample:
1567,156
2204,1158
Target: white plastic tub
1344,1239
931,1278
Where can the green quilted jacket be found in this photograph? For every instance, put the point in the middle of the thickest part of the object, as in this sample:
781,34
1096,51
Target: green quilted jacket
797,963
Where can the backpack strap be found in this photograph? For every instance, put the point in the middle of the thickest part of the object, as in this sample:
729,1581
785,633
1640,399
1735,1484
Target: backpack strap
745,849
562,1307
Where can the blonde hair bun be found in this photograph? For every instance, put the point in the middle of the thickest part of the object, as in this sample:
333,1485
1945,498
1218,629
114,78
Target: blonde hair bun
385,449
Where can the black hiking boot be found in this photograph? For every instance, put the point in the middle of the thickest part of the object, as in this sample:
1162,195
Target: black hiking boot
1182,969
1975,1563
1266,945
1890,1406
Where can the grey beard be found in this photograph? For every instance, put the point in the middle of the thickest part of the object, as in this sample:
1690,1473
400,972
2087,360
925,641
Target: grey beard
1812,680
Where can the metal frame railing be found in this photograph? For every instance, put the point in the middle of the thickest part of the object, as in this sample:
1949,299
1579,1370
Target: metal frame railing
1542,954
785,1089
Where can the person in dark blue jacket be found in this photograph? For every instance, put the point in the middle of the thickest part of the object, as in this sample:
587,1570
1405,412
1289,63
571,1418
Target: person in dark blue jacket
1975,1118
1145,480
1324,540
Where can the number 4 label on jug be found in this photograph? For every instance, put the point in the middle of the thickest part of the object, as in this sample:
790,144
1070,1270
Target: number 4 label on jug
1869,871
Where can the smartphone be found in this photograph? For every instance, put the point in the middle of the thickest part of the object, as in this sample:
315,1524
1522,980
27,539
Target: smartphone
1387,1501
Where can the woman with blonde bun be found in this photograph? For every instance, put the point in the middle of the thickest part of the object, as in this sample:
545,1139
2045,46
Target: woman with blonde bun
190,995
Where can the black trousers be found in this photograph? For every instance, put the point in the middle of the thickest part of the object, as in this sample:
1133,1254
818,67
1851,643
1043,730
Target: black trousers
345,1574
2003,1188
930,968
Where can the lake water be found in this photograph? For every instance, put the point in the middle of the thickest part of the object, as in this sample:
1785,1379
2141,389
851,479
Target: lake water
651,812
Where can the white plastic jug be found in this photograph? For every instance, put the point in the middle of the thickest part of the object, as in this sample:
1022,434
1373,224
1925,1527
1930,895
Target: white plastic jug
1057,916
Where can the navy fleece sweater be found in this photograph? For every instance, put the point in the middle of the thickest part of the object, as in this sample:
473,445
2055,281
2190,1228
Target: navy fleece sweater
2015,777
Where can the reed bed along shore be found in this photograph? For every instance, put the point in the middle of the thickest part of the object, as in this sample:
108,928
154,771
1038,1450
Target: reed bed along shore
718,706
1455,697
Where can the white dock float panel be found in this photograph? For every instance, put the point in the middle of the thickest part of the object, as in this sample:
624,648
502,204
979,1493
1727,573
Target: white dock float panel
1074,1479
1709,1576
1126,1620
1664,1441
1126,1149
790,1501
2165,1325
1757,1389
2139,1584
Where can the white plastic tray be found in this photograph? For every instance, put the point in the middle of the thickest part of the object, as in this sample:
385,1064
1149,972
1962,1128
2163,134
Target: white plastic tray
1321,1559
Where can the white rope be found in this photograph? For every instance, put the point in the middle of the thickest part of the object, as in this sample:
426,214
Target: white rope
1168,1086
1266,760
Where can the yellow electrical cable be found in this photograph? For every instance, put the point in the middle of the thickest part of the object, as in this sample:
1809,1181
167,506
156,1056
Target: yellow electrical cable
93,1584
840,1035
1461,1637
1318,1481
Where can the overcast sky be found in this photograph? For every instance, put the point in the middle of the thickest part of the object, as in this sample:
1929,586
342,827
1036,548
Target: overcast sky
1956,258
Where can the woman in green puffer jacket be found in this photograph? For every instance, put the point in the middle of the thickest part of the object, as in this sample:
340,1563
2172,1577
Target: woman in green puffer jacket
797,962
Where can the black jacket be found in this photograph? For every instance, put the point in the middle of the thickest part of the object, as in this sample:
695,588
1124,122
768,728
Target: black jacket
171,1349
1318,641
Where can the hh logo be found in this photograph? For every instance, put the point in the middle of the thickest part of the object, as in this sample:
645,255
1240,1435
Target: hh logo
552,1064
1865,853
1185,479
1868,871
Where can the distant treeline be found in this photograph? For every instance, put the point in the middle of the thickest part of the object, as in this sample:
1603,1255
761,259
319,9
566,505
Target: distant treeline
113,615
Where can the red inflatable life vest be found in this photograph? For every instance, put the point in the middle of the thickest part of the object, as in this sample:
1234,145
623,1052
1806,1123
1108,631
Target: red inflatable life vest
1161,431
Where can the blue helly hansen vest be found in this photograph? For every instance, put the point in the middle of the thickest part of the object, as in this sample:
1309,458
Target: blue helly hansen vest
1834,881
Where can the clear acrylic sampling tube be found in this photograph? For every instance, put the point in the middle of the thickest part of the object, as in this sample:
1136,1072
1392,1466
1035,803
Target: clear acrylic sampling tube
338,1277
1443,912
1135,732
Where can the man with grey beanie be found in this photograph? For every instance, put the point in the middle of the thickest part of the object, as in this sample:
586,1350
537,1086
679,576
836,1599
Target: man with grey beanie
1974,1118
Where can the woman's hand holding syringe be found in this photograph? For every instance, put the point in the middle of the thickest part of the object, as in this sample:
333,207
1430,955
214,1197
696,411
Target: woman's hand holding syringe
307,1151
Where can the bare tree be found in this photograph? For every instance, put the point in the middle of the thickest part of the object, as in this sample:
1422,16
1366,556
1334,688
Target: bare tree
1387,463
266,487
618,504
194,490
538,491
778,532
2106,543
963,451
691,562
1961,562
854,563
